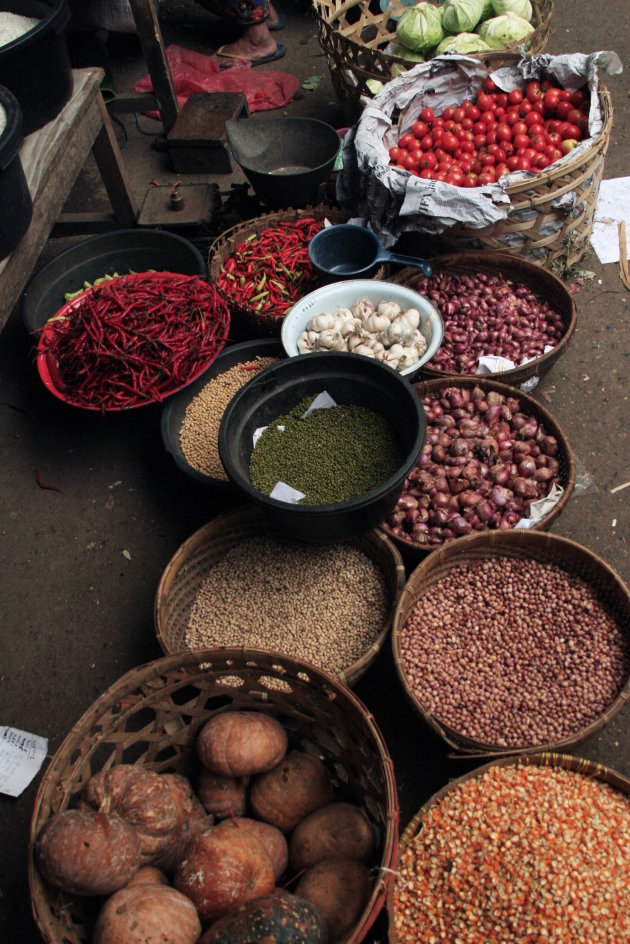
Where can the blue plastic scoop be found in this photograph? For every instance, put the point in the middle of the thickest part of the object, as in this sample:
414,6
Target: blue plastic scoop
348,251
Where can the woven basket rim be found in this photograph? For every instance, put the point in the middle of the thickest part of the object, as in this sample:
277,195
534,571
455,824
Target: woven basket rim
491,544
204,536
492,260
150,678
553,426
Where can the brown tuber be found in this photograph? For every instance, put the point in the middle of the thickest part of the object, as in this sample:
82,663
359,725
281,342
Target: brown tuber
335,831
143,914
220,795
270,837
277,918
240,743
292,790
339,889
87,853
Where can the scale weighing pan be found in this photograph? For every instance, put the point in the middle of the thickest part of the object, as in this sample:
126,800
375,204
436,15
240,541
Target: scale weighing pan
349,251
286,160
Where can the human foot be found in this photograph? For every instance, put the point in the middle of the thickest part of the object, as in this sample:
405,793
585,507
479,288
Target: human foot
255,43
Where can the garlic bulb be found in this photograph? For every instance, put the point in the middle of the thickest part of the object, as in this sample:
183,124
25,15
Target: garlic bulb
419,342
330,340
365,350
353,341
393,333
408,357
321,322
303,345
395,352
412,317
344,314
393,362
375,323
348,327
362,308
389,310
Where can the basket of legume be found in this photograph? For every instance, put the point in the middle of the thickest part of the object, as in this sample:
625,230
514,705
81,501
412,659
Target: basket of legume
190,420
520,850
510,642
237,581
503,315
151,718
494,458
261,267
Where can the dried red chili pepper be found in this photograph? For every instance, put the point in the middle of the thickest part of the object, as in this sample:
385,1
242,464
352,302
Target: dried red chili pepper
134,339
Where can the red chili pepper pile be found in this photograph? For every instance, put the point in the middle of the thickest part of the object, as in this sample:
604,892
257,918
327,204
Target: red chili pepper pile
269,271
134,340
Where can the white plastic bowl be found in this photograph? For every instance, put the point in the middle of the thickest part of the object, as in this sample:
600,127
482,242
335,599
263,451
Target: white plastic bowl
344,294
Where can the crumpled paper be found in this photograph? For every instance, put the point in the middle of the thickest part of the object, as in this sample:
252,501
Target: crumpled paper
391,201
538,509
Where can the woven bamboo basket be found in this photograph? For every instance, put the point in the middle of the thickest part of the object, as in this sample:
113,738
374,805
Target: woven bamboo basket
246,323
151,717
530,406
353,35
184,574
579,765
532,545
555,237
523,271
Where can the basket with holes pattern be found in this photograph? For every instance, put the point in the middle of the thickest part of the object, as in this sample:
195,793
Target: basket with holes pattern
151,717
354,38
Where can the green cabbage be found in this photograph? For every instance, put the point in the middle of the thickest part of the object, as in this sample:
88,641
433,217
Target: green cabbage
463,43
501,30
461,16
520,7
487,12
403,53
420,27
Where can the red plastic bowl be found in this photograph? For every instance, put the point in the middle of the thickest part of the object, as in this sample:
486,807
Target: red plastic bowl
50,371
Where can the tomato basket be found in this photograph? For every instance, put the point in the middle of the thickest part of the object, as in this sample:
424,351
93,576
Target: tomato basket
129,362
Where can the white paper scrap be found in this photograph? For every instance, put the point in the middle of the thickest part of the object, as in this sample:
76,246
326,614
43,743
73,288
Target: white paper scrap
540,508
612,208
322,401
21,756
284,493
488,364
258,433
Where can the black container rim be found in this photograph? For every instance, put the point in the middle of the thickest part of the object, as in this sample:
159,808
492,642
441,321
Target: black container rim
11,138
56,19
291,120
330,511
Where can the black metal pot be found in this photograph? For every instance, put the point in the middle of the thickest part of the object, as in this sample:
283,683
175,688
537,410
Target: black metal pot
16,206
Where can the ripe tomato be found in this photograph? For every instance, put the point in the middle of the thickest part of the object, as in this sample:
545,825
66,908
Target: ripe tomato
542,161
520,141
479,127
579,96
484,102
502,100
500,170
533,91
455,177
489,86
512,116
437,123
409,161
488,118
563,109
523,164
406,140
570,131
470,180
508,147
554,138
439,175
426,173
427,142
444,167
538,142
467,123
504,132
539,106
459,114
486,177
420,128
512,162
449,142
441,155
448,113
530,154
491,137
515,97
467,147
477,167
486,160
554,154
395,154
565,95
428,160
473,113
427,115
536,130
532,118
551,100
576,117
466,164
519,128
525,107
552,125
499,113
436,134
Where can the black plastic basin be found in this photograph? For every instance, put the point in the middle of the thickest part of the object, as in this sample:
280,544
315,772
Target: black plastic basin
16,206
348,378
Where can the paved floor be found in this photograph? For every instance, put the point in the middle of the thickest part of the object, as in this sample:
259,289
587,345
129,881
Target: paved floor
79,566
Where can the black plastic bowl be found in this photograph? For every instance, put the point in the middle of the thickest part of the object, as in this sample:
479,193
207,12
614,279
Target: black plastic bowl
174,409
121,251
348,378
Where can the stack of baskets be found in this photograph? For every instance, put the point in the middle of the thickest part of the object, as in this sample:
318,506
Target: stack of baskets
354,37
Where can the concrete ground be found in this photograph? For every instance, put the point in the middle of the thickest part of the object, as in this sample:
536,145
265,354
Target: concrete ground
79,566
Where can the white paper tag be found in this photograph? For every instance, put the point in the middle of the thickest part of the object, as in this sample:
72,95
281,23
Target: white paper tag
322,401
258,433
284,493
21,756
488,364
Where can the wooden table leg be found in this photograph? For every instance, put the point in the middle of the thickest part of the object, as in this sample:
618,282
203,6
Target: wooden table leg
107,155
150,36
